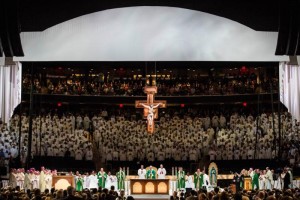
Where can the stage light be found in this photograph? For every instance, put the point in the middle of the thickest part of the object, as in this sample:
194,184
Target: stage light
121,105
182,105
244,69
59,104
245,104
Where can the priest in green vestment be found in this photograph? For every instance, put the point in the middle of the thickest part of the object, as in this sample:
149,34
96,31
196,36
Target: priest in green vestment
180,179
101,175
255,180
121,179
151,174
79,183
198,179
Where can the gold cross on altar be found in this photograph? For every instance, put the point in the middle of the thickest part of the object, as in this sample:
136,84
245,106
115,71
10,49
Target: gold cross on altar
150,107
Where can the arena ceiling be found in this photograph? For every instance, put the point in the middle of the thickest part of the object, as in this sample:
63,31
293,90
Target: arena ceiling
260,15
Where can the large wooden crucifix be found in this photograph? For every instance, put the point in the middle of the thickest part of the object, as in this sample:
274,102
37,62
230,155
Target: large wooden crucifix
150,107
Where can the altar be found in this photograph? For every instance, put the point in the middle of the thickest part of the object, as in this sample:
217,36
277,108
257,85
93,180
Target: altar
62,182
149,186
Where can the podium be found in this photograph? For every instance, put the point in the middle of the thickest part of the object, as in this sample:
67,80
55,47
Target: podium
247,183
63,182
149,186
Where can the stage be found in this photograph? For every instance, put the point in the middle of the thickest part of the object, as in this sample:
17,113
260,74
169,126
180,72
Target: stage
151,196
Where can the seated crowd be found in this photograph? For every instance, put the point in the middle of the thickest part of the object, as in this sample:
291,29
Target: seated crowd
180,135
105,194
51,136
190,135
225,85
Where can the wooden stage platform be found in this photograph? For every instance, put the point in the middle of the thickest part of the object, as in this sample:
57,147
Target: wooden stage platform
151,196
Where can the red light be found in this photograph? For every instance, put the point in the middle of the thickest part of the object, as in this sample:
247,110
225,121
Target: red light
244,69
59,104
245,104
182,105
121,105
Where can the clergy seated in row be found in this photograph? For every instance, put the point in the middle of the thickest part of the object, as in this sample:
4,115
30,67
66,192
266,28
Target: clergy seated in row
184,143
54,136
185,138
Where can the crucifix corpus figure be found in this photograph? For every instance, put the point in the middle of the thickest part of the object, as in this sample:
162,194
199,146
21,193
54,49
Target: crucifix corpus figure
150,107
151,110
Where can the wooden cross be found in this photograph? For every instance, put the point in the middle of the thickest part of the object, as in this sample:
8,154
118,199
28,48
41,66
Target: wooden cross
150,107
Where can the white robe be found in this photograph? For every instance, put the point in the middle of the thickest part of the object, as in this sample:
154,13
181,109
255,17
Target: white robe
206,181
161,173
109,181
93,181
269,180
35,181
42,181
48,181
142,173
189,183
86,182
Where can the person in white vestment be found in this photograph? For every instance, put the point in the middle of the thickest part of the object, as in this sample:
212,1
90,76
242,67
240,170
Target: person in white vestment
20,176
27,184
42,183
93,180
262,178
13,178
189,182
48,179
268,179
35,180
206,181
115,182
142,172
161,172
109,180
86,181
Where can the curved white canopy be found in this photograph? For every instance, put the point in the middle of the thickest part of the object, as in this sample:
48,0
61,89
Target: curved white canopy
149,34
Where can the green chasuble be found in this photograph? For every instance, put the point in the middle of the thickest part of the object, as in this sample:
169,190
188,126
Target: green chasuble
180,179
255,181
151,174
79,184
198,180
121,180
101,179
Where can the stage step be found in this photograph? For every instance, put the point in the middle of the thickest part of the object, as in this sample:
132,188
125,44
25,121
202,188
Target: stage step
151,197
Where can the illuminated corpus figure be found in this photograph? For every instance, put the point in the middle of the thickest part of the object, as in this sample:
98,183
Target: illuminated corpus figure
151,110
150,107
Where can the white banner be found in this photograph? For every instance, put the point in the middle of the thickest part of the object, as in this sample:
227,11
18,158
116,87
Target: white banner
289,77
10,89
